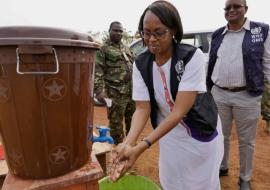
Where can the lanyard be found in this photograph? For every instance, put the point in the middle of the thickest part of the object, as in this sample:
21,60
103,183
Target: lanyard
167,95
168,98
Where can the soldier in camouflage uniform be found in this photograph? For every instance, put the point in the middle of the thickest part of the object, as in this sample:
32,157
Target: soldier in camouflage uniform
266,106
113,79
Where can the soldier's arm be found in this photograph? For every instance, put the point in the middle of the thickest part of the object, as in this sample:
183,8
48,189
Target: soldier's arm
132,55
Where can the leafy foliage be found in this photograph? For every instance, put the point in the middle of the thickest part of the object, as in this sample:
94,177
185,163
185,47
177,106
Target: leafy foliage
102,36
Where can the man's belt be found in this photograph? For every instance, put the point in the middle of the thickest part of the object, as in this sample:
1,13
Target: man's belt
233,89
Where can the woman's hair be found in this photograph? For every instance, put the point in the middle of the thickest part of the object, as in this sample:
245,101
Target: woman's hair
167,14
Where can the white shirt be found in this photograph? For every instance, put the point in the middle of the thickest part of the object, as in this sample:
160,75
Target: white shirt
193,79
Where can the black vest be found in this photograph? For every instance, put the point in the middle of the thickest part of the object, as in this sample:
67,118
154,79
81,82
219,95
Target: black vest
144,63
252,50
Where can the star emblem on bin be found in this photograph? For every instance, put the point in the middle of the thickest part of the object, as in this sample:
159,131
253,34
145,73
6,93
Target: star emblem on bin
59,155
4,91
54,89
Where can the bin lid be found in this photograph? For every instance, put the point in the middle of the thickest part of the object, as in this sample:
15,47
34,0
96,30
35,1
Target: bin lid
35,35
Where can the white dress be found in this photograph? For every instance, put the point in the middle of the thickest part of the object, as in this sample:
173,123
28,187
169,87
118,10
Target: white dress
184,163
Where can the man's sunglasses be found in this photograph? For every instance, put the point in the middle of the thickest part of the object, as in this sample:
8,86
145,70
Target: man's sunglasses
233,6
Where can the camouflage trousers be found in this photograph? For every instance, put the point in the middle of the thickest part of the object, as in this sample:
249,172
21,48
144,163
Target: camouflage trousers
265,112
122,108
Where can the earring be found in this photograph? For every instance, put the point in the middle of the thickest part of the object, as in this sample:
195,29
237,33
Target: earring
174,39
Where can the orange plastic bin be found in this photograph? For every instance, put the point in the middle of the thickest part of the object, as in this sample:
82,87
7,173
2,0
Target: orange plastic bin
46,93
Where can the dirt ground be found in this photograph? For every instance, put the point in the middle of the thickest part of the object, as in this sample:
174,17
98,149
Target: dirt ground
147,164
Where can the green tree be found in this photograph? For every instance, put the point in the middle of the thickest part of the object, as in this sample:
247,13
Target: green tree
103,36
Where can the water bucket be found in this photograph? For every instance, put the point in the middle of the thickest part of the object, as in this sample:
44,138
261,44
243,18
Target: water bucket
128,182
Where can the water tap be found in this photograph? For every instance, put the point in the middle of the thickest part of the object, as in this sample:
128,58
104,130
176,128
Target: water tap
102,130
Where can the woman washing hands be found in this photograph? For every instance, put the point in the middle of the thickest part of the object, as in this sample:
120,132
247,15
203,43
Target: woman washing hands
121,161
185,162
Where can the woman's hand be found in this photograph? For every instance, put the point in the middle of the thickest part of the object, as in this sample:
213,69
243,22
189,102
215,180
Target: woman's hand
116,166
123,158
125,154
